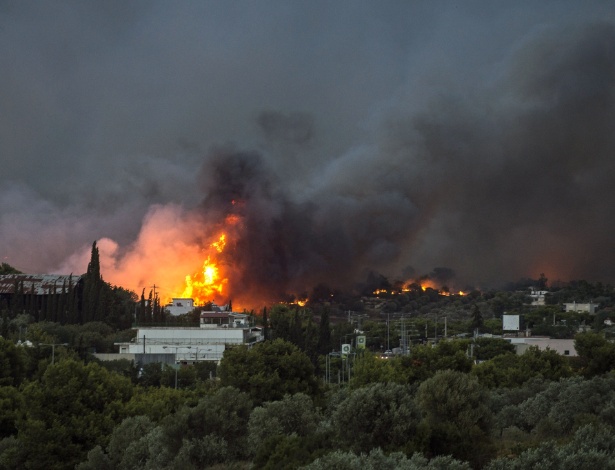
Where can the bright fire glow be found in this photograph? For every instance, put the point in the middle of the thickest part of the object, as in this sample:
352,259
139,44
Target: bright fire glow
424,284
209,283
220,244
427,284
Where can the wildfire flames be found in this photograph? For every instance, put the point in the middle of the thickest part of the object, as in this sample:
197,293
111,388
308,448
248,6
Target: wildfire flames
423,284
208,283
211,281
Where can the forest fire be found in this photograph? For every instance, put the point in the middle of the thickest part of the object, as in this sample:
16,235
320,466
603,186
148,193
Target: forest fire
427,284
205,285
422,285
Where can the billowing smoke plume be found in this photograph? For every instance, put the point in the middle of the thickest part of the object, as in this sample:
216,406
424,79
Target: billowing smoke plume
513,180
477,141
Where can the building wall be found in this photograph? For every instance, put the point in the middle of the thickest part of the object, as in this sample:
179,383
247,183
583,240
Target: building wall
190,335
575,307
565,347
187,344
180,353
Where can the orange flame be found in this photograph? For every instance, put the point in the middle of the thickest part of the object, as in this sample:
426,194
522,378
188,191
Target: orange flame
427,284
203,286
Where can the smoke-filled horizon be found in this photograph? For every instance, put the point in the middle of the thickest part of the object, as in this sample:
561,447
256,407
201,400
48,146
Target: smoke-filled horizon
387,136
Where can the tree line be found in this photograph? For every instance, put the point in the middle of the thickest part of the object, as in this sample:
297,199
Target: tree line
268,407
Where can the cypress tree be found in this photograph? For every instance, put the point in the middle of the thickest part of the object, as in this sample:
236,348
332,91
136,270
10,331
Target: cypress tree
265,324
141,314
477,318
149,308
62,304
5,324
72,301
296,328
93,285
33,303
324,337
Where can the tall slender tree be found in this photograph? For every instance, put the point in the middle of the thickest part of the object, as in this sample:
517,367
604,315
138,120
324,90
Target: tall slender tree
324,337
93,285
265,324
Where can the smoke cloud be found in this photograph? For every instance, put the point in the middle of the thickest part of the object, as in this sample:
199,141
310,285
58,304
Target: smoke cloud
380,136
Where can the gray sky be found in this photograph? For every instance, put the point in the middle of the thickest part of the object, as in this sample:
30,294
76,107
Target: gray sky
474,135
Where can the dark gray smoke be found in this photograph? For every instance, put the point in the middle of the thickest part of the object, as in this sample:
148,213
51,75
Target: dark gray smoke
387,136
511,180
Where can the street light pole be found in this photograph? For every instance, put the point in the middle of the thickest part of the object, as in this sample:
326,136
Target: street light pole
53,349
176,366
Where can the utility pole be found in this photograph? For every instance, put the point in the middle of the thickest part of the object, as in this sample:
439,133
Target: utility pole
53,349
176,360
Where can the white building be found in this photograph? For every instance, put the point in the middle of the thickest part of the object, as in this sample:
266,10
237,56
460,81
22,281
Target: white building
538,297
180,306
217,332
577,307
565,347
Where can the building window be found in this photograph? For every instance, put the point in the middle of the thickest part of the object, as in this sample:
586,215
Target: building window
566,353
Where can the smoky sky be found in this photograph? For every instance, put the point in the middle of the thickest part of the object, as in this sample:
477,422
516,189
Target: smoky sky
394,136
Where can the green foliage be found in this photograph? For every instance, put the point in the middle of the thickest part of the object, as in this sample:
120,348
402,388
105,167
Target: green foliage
371,368
378,460
156,403
324,333
268,371
212,432
293,414
12,409
6,268
150,375
73,408
591,447
205,370
10,453
103,302
12,363
283,452
377,415
222,418
184,375
596,354
488,348
456,417
563,405
97,460
511,370
477,319
122,367
422,362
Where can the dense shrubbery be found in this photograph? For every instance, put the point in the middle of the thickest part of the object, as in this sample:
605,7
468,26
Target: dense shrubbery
507,412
